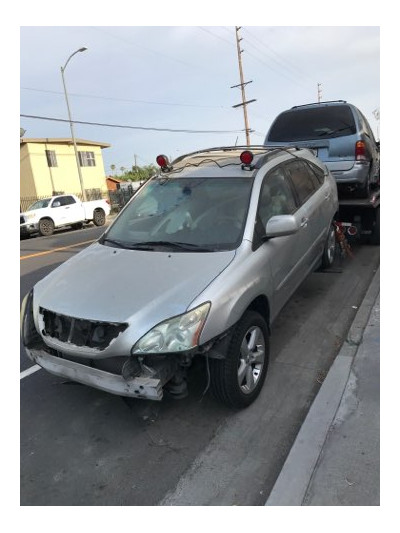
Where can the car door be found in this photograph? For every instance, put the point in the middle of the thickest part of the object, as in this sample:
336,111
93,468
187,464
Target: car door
282,256
73,210
310,197
58,211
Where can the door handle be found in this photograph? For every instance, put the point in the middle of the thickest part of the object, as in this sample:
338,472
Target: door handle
304,222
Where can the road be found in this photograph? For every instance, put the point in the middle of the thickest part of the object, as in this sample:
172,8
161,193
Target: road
80,446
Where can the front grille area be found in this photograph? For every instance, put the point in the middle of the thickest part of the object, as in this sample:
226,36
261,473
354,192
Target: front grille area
21,219
80,332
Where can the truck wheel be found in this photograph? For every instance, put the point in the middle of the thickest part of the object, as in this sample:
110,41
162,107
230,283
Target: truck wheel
237,380
376,229
46,227
99,217
329,253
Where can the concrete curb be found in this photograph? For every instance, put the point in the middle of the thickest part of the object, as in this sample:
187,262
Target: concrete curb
291,486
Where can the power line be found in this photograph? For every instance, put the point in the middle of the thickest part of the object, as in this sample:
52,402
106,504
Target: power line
124,99
129,127
282,61
215,35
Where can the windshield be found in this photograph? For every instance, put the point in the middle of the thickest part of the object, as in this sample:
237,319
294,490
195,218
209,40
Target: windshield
184,214
315,123
39,204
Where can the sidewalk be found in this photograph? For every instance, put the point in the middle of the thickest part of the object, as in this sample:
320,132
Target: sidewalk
335,457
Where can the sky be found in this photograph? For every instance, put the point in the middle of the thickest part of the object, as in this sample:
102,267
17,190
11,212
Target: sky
145,84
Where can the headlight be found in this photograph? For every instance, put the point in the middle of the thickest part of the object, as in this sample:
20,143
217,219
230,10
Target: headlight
178,334
29,216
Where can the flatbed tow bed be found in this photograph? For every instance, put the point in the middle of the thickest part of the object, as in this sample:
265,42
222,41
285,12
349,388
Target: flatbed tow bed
359,218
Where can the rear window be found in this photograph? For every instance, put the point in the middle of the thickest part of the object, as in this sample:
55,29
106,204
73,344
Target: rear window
314,123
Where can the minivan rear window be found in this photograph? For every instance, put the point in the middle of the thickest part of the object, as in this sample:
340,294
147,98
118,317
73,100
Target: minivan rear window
313,123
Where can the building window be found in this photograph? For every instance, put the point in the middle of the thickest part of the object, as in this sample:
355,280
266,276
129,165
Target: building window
86,159
51,158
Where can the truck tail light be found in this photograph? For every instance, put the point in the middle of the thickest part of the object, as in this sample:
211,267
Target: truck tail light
360,151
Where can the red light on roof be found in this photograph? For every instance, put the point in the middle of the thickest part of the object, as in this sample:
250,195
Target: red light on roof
162,161
246,157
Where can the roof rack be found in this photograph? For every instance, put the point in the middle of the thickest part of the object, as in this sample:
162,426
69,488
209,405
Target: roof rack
261,150
318,103
221,149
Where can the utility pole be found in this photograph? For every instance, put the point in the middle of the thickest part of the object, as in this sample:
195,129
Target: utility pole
319,87
242,85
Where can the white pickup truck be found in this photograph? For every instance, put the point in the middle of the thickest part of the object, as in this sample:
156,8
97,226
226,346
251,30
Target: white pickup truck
44,216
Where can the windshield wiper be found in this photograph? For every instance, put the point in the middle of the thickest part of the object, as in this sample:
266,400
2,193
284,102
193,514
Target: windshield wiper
186,246
120,244
337,130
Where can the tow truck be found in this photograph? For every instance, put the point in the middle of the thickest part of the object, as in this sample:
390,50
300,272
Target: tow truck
358,219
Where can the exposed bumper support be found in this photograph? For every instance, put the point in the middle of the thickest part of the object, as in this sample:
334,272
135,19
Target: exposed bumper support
149,388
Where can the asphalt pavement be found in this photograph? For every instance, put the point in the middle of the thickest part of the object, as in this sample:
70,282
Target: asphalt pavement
335,459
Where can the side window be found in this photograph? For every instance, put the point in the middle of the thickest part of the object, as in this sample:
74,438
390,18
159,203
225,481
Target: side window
302,180
68,200
276,197
317,174
57,202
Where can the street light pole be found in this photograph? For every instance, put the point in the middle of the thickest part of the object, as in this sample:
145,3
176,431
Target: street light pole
71,123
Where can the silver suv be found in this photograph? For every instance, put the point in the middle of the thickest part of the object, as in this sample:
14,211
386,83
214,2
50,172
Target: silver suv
199,262
340,136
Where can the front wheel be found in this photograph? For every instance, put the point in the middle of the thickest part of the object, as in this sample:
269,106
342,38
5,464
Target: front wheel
99,217
46,227
328,256
237,380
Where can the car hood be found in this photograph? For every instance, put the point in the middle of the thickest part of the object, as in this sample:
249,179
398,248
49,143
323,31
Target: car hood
31,214
116,285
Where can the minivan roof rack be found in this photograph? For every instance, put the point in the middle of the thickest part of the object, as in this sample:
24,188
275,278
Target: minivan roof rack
327,102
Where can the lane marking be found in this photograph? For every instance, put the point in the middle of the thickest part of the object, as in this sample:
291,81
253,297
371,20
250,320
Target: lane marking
37,254
29,371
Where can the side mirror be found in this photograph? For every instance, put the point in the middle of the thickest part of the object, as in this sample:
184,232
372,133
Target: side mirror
56,204
281,225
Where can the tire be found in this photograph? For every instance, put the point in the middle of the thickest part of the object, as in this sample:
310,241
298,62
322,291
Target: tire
46,227
376,230
237,380
329,253
99,217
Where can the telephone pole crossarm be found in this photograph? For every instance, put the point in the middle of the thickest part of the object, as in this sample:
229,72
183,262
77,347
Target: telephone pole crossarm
245,103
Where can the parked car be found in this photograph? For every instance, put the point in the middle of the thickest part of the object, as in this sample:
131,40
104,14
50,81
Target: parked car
341,137
202,258
45,215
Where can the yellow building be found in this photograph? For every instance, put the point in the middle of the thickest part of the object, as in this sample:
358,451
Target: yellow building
49,166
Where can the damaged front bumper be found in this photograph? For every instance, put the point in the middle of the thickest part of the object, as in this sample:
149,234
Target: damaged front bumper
143,387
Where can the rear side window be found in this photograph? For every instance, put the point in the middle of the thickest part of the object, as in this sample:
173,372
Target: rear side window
313,123
304,183
318,175
67,200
